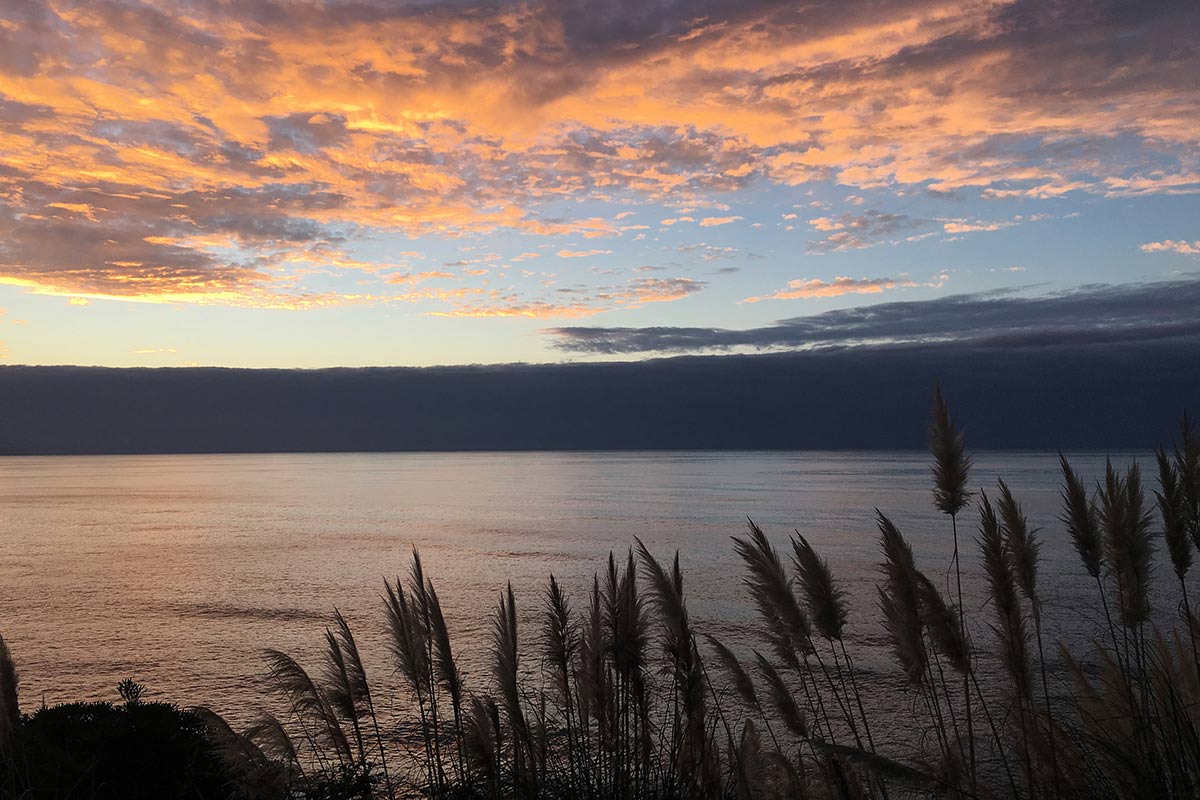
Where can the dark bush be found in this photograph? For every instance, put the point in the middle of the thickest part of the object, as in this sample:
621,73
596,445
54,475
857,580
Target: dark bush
97,751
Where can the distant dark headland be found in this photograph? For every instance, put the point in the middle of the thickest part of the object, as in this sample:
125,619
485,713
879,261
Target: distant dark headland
1076,396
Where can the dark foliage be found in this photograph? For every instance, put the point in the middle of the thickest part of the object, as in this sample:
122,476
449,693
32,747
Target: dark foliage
102,751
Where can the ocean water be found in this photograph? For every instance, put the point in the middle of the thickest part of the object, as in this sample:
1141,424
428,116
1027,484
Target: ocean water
178,571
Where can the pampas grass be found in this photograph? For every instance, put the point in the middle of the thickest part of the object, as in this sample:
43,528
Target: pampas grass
951,467
613,698
1082,520
826,602
899,600
1128,541
951,464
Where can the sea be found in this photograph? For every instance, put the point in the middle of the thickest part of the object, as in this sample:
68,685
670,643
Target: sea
178,571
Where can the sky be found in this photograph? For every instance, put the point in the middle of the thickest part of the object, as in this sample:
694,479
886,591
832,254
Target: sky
259,183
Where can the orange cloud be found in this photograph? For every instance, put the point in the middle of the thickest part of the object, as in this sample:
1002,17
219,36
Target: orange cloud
634,294
1182,247
710,222
582,253
814,287
242,141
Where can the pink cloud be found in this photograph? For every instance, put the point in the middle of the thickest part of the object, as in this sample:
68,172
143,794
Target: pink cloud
1183,247
711,222
814,288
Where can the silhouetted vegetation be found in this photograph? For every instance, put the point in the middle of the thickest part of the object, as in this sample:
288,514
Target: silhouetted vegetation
106,751
618,695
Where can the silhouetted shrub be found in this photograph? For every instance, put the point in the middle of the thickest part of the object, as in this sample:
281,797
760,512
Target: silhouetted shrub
101,751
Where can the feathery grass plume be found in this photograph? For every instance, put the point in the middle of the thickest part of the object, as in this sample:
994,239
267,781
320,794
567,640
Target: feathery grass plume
624,618
422,622
1002,585
308,704
751,777
886,769
418,586
826,601
10,711
444,666
560,641
941,620
250,771
781,698
506,652
1174,515
506,666
1081,519
743,685
951,467
1172,506
1128,541
406,638
358,685
771,590
761,773
624,643
1010,627
1187,462
1022,544
356,672
1173,673
1109,722
343,689
593,691
1002,588
270,736
951,464
665,590
909,652
482,745
559,637
900,601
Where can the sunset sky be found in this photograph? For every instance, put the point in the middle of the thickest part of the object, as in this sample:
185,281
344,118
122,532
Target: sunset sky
306,184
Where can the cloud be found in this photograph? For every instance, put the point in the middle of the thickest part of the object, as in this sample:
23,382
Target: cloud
967,226
582,253
857,231
825,399
1092,314
710,252
581,301
1182,247
814,287
712,222
254,139
413,278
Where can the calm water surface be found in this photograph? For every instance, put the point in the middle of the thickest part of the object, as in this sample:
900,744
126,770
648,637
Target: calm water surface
178,570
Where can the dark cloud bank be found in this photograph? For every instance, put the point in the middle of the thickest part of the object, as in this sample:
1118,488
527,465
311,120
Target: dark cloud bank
1087,315
1100,367
1093,396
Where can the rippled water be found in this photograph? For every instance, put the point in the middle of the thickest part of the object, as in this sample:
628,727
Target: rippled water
178,570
